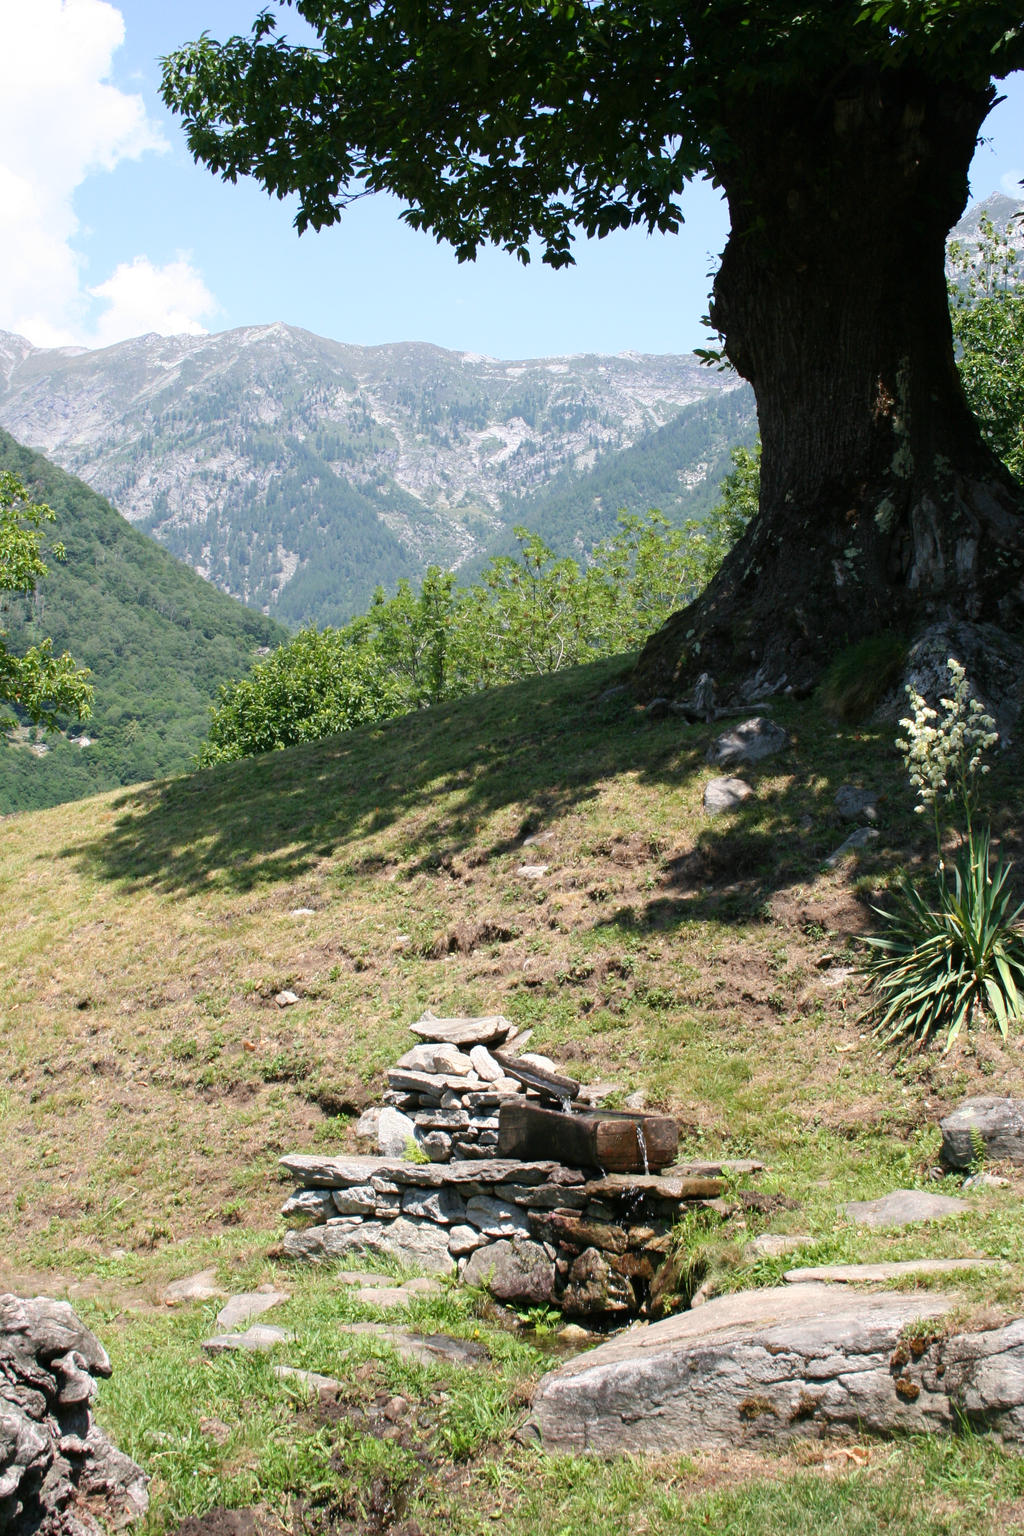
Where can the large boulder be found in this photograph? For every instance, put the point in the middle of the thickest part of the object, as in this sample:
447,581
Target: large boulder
59,1474
793,1362
983,1128
516,1271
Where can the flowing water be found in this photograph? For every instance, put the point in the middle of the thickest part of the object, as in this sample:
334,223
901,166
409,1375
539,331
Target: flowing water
641,1142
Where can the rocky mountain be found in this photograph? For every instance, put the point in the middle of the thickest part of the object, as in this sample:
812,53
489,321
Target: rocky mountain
297,473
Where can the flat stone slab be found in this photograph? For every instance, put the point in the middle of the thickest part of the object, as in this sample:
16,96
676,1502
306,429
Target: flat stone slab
792,1362
775,1245
867,1274
662,1186
993,1125
201,1287
425,1348
483,1031
259,1337
241,1309
344,1172
903,1207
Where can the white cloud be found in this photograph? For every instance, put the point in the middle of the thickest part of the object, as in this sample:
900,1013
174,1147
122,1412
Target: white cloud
1011,183
141,297
60,122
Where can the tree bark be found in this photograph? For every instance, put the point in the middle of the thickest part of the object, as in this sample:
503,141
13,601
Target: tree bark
881,506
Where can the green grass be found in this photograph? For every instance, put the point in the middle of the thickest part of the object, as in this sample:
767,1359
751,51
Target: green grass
151,1082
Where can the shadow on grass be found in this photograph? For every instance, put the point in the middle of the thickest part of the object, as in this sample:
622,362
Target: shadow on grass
542,747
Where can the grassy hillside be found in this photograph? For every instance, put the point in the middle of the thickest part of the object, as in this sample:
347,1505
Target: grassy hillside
159,641
151,1080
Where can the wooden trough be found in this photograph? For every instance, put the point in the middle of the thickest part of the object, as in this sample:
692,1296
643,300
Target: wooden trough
587,1138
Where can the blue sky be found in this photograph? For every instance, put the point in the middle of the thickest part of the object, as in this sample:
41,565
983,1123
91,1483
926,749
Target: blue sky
112,231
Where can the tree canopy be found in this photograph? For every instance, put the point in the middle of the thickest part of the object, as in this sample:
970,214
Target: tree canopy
518,120
842,136
40,684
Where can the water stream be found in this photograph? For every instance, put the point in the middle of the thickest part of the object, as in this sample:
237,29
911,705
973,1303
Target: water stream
641,1142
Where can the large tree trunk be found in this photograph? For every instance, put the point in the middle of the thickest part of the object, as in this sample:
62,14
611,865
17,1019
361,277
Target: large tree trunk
881,506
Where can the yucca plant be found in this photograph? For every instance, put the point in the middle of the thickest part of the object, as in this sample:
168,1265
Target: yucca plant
942,963
939,966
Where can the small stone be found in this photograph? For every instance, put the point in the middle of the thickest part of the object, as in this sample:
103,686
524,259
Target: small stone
394,1132
572,1333
285,998
449,1059
532,1059
855,841
903,1207
357,1200
484,1064
750,742
594,1288
533,871
315,1204
635,1101
437,1145
303,912
420,1285
495,1217
724,795
441,1205
855,804
425,1349
463,1239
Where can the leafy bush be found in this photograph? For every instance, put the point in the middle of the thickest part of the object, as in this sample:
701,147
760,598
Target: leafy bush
530,613
942,963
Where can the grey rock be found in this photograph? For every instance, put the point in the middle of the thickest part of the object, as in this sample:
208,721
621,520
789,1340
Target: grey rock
635,1101
517,1271
595,1289
750,742
497,1218
437,1145
986,1181
542,1197
774,1365
993,1125
356,1200
724,795
419,1244
203,1286
872,1274
853,843
420,1058
444,1206
315,1204
241,1309
257,1339
448,1120
484,1064
463,1239
343,1172
483,1031
992,659
449,1059
903,1207
286,998
394,1132
339,1172
855,804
